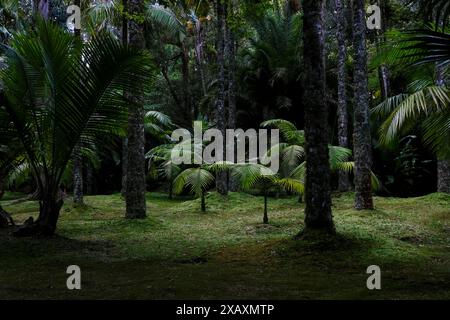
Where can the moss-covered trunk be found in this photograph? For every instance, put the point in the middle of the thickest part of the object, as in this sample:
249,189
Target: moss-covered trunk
318,193
362,137
136,187
344,179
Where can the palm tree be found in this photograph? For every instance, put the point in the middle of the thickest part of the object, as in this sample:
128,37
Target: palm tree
55,102
292,153
427,104
317,189
198,180
136,187
256,176
362,138
344,181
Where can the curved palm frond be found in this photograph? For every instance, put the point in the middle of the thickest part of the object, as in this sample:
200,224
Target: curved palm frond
198,180
288,130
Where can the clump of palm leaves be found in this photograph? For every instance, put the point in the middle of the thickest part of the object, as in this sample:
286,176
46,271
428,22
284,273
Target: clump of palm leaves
56,100
293,163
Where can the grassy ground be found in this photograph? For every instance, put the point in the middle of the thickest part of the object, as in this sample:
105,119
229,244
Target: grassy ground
179,252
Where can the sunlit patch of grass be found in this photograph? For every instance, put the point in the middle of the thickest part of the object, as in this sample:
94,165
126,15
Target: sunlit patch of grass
180,252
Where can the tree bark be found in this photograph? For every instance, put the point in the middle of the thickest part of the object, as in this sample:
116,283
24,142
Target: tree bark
362,138
266,217
124,166
203,202
190,108
136,186
443,176
45,225
318,194
233,184
221,177
443,165
344,179
77,175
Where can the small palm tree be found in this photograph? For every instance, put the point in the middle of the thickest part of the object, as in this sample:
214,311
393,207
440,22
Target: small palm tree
198,180
256,176
55,102
160,160
252,176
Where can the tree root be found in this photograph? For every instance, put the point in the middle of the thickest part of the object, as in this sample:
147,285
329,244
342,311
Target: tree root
5,219
32,228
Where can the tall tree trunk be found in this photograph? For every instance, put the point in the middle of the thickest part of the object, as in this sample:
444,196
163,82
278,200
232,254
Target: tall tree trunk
123,191
136,186
190,108
362,138
77,175
77,158
233,184
318,193
344,179
221,177
443,165
383,70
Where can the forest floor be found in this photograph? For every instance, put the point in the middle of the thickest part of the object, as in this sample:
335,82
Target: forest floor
227,253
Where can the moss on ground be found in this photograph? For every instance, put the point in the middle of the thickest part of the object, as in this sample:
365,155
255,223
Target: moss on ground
178,252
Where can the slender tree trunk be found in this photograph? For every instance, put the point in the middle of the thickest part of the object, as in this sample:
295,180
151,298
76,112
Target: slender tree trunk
203,202
221,177
136,186
266,217
171,189
89,181
77,175
344,179
318,193
362,138
383,70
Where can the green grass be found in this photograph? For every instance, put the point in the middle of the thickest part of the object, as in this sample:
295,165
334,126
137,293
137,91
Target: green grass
180,253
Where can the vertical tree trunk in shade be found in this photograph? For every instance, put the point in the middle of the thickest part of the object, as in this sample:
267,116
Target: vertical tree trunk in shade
266,217
344,179
77,175
362,139
123,191
233,185
124,166
136,187
221,177
383,70
443,165
89,180
318,193
203,202
77,158
191,110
